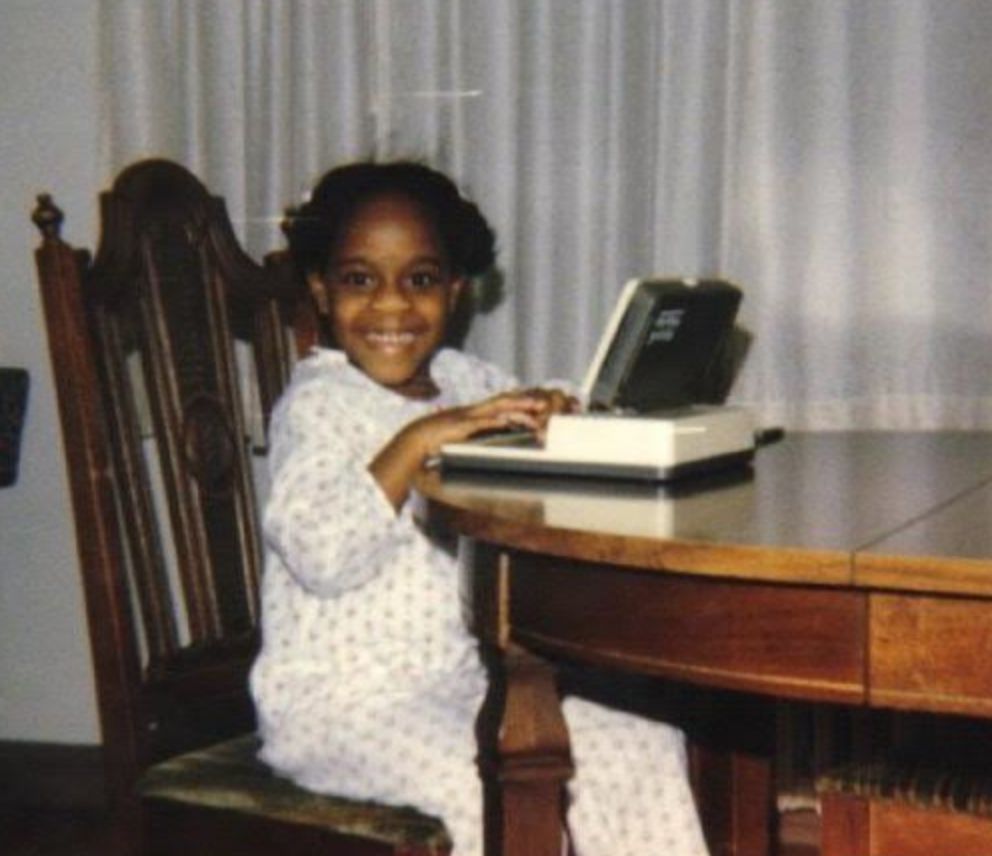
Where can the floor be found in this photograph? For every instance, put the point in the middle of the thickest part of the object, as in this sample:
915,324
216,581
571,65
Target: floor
52,832
82,833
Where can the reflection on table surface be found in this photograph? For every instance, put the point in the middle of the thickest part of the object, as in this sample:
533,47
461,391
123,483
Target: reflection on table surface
630,508
802,510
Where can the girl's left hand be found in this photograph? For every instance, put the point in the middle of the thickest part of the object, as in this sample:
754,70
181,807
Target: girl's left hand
549,401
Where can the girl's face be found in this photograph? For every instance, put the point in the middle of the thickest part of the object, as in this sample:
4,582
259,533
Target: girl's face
389,293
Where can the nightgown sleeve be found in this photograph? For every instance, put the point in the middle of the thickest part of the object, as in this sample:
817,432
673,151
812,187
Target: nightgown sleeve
327,519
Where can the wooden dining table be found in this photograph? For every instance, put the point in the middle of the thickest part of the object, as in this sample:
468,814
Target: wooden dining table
842,567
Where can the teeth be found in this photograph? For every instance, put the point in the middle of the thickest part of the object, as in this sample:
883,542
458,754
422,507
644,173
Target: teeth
384,338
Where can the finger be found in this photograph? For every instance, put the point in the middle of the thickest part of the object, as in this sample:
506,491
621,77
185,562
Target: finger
518,419
554,399
473,427
558,401
511,402
478,423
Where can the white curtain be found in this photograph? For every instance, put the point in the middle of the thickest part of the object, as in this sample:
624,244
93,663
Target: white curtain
833,157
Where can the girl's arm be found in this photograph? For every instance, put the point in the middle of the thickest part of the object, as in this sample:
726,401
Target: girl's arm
326,519
395,467
331,517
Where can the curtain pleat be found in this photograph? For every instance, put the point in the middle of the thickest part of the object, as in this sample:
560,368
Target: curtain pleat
830,156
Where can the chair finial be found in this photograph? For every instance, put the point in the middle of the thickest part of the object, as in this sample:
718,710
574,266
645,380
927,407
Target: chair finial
48,217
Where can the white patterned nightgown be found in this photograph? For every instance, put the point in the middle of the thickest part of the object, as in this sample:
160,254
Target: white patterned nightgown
368,684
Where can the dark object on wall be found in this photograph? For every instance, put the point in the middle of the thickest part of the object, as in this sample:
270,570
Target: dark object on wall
13,403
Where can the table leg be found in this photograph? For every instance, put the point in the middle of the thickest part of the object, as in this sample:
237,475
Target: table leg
733,779
529,763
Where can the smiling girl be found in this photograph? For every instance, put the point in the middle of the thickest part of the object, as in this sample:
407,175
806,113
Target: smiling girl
368,684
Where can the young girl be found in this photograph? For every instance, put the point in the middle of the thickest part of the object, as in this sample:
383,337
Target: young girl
368,685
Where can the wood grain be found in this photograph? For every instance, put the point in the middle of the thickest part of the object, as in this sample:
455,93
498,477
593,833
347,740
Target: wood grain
929,653
792,641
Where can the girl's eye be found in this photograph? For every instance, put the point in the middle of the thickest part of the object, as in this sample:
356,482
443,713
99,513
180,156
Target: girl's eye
424,279
356,279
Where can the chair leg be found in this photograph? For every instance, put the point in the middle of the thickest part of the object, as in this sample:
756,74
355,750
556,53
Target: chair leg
846,825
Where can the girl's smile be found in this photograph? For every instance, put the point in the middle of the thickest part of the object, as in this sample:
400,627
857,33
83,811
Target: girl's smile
389,293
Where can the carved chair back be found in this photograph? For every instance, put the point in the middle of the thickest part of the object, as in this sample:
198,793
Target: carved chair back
169,348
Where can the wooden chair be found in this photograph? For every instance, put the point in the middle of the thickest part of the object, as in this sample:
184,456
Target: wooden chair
149,345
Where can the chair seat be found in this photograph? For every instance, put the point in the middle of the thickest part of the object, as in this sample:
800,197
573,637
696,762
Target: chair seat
963,791
230,776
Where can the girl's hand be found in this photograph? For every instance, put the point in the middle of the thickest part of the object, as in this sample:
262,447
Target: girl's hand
549,402
527,410
400,460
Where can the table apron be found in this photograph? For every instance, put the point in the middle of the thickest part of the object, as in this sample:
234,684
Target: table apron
791,641
931,653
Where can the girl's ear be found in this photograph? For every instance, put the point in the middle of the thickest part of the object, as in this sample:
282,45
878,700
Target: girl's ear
455,293
318,291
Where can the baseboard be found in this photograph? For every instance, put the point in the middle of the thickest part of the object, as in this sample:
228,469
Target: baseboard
51,774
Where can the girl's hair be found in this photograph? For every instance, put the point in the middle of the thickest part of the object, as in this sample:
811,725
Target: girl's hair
312,230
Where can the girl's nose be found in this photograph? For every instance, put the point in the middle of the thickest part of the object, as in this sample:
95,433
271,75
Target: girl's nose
390,296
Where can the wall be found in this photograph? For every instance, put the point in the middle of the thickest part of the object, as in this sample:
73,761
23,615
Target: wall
49,116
